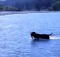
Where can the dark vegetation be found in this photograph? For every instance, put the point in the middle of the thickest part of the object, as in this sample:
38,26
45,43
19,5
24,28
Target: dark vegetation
5,8
34,5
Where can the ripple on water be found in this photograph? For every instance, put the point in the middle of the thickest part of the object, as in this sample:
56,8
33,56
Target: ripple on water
55,37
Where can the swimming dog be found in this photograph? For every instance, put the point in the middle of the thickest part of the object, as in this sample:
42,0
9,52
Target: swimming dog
37,36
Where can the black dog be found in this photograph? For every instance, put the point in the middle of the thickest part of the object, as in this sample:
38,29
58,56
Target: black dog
37,36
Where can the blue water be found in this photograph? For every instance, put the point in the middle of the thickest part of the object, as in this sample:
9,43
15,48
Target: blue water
15,39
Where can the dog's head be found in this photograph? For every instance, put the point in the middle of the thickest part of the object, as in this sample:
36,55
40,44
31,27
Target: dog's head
32,33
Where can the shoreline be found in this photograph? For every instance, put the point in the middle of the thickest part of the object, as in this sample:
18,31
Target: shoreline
24,12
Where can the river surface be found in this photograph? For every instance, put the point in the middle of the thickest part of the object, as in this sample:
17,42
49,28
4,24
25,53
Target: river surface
15,39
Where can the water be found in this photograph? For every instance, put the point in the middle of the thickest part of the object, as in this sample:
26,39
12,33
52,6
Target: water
15,39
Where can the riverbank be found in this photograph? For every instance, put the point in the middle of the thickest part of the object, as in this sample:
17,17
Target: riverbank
24,12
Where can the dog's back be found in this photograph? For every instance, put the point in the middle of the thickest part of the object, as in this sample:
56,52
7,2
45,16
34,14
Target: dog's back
44,36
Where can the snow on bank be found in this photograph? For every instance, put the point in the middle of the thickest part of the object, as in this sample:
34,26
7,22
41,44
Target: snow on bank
24,12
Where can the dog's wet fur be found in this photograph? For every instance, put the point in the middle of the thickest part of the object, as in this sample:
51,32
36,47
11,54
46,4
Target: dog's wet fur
40,36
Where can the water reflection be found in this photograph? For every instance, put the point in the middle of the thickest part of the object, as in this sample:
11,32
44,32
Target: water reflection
40,40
